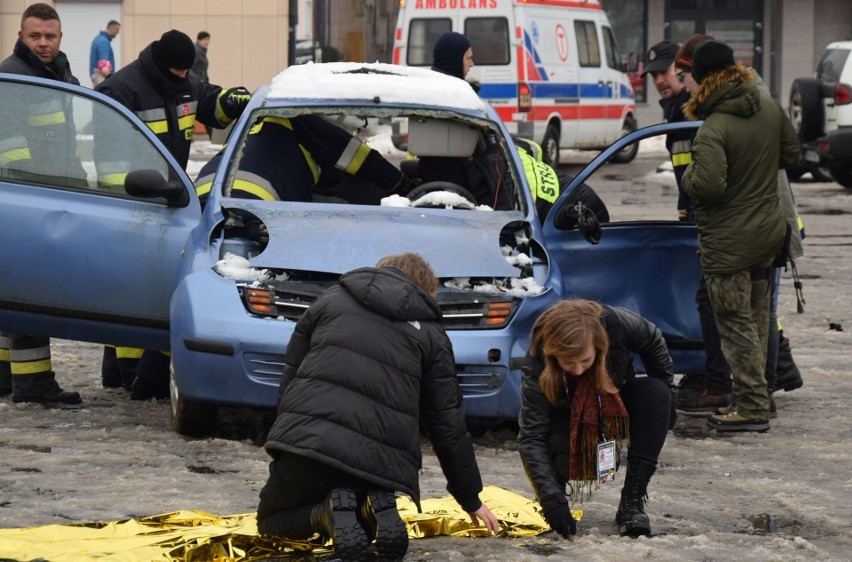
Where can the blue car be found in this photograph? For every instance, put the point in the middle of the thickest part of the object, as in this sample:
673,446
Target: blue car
112,245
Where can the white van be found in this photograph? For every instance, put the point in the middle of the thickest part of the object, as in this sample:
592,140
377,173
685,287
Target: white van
550,68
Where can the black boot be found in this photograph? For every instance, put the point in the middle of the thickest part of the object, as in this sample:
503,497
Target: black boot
631,517
382,522
337,518
5,378
789,377
110,375
42,388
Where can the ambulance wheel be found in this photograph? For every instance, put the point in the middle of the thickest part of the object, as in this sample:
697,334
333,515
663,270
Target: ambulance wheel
628,153
194,419
550,146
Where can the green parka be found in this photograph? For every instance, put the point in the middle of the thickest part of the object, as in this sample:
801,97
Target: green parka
733,178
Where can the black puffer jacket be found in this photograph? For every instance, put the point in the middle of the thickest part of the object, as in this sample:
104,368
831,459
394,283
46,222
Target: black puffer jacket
543,437
167,104
367,363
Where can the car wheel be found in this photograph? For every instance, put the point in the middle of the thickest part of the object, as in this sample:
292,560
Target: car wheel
628,153
806,110
842,175
550,146
195,419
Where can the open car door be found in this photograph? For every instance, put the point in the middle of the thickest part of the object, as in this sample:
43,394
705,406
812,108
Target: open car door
649,266
84,258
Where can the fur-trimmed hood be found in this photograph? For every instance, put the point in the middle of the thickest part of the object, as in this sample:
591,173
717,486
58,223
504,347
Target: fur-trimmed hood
733,90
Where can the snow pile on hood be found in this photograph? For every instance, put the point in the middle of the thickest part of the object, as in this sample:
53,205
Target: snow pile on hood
388,83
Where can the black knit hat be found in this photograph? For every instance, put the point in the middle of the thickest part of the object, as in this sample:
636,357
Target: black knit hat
710,57
448,54
174,50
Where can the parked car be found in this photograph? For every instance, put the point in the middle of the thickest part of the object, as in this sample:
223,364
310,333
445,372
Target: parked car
821,111
140,264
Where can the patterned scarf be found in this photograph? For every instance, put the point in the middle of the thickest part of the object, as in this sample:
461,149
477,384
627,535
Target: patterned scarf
589,409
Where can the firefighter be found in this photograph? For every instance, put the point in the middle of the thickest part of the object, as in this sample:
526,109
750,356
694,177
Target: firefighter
159,88
544,181
26,370
291,159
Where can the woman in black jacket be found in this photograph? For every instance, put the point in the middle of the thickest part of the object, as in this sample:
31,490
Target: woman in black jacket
367,363
579,391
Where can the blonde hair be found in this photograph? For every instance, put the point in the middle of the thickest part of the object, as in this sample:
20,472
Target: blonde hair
563,332
415,267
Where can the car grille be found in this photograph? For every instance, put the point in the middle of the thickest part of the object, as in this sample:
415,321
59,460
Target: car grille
462,310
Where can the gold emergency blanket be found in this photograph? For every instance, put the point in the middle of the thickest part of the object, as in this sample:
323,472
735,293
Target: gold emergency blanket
195,536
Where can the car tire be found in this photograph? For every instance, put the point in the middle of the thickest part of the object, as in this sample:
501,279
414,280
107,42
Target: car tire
190,418
550,146
628,153
806,110
841,175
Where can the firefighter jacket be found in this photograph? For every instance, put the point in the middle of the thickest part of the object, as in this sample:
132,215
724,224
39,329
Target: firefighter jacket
168,104
542,179
679,145
286,159
39,132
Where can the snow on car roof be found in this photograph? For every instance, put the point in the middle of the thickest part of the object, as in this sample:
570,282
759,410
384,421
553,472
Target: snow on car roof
389,83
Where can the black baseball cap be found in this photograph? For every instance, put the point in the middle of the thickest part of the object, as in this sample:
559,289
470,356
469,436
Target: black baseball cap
660,56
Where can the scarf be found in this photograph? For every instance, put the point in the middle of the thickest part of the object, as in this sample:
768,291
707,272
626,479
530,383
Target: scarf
589,409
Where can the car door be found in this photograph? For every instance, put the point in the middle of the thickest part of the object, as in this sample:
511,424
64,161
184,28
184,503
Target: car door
83,259
647,265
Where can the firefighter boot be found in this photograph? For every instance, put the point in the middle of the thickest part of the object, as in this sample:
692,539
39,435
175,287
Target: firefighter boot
631,517
5,367
110,375
42,388
789,377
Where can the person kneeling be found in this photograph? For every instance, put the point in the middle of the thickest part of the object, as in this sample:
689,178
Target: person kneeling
347,434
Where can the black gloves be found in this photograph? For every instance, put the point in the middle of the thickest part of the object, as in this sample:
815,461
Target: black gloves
558,516
673,410
234,101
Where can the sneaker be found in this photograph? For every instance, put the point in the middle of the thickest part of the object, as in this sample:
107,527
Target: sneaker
382,522
337,518
732,421
705,400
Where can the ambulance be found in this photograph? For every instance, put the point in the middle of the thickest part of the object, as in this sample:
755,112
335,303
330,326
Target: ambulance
551,68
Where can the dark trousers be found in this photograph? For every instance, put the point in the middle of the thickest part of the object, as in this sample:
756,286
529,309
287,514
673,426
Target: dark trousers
648,403
295,486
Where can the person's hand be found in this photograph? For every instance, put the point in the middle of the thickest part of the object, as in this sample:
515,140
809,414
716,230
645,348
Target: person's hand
488,519
673,411
560,519
234,101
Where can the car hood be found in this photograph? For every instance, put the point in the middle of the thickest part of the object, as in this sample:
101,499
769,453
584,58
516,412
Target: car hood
338,238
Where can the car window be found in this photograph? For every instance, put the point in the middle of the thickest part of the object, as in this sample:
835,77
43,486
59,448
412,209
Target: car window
588,50
831,65
422,35
57,139
489,38
613,59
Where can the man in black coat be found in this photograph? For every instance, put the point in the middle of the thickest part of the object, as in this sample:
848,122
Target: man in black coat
367,363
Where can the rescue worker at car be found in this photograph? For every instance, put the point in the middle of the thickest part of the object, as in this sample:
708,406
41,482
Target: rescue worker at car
290,159
37,125
544,181
161,91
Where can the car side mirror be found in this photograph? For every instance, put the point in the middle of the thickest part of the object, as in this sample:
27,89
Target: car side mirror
149,184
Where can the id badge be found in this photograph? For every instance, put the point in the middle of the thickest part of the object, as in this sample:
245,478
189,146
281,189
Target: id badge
606,462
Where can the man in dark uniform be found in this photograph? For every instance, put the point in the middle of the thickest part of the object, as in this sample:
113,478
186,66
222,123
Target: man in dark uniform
25,365
159,88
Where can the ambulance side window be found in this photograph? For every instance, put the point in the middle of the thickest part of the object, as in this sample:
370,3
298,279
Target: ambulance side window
422,35
613,59
588,48
489,38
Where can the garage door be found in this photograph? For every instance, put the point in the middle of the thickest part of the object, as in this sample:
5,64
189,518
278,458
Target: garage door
81,22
